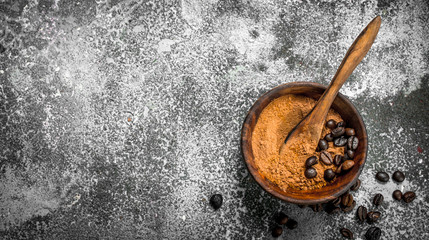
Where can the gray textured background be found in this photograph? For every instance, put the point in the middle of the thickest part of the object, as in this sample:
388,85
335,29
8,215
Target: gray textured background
119,119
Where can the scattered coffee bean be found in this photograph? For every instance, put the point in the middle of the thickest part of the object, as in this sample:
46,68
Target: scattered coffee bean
350,154
310,161
347,200
329,175
336,202
323,144
378,199
352,143
326,157
329,137
338,159
347,165
409,197
291,224
350,132
350,208
372,216
281,218
310,172
339,131
331,124
346,233
361,213
316,208
216,201
373,233
277,231
397,195
340,142
341,124
382,176
398,176
356,186
331,209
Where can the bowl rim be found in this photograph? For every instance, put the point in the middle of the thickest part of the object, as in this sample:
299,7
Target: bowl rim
263,184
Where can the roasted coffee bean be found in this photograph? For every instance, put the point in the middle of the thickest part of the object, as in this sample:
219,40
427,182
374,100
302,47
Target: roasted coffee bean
316,208
356,186
216,201
373,233
281,218
347,200
331,124
328,175
361,213
291,224
331,209
341,124
310,172
347,165
326,157
350,208
398,176
350,154
323,144
277,231
382,176
346,233
340,142
350,132
378,199
336,202
372,216
409,197
352,143
338,159
339,131
310,161
339,169
329,137
397,195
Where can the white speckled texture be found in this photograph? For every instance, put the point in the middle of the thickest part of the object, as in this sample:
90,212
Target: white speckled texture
119,119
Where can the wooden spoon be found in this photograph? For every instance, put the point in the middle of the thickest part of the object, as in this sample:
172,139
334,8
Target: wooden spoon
310,128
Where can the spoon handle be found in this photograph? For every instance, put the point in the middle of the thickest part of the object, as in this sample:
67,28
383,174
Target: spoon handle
353,57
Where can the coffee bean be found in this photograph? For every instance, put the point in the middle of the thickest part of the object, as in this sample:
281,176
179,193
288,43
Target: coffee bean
356,186
350,208
310,172
347,165
326,157
378,199
281,218
352,143
341,124
347,200
336,202
397,195
350,154
382,176
361,213
340,142
338,159
216,201
372,216
332,209
329,137
328,175
277,231
339,169
316,208
310,161
346,233
373,233
409,197
398,176
350,131
331,124
291,224
337,132
323,144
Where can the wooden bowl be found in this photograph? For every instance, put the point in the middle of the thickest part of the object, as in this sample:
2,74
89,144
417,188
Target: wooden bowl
306,197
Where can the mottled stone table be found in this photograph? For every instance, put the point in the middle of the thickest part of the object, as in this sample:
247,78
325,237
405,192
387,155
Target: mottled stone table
119,119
